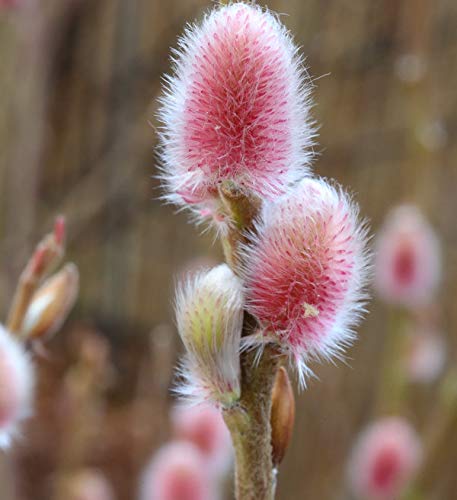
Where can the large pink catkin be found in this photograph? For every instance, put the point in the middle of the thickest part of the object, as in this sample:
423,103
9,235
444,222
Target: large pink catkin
177,472
384,460
408,263
16,387
236,108
306,271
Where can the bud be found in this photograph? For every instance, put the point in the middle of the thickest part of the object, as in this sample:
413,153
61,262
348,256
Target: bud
204,426
305,272
384,460
49,251
282,415
236,108
89,485
209,311
16,387
51,304
177,472
408,264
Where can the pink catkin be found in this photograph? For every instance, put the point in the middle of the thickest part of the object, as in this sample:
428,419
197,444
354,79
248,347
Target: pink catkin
236,108
204,426
384,460
16,387
177,472
306,271
408,261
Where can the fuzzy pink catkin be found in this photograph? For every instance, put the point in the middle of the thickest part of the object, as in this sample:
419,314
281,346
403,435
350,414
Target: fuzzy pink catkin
16,387
236,107
408,263
204,426
384,460
177,472
306,271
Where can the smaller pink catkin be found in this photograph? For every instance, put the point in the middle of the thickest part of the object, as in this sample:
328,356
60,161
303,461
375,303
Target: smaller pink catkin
16,387
408,263
384,460
177,472
236,107
204,426
305,272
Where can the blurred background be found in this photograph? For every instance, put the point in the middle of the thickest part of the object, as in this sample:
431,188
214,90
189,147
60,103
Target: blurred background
79,81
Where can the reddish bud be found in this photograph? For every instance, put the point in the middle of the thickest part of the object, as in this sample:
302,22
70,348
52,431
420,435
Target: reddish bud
282,415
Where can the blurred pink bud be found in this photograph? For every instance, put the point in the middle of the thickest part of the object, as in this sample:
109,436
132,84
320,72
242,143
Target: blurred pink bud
209,314
51,304
235,108
408,264
89,485
426,356
384,460
204,426
306,271
178,472
16,387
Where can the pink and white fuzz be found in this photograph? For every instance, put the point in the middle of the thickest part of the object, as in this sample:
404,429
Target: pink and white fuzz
209,312
306,270
204,426
235,108
177,472
89,484
16,387
408,263
384,460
